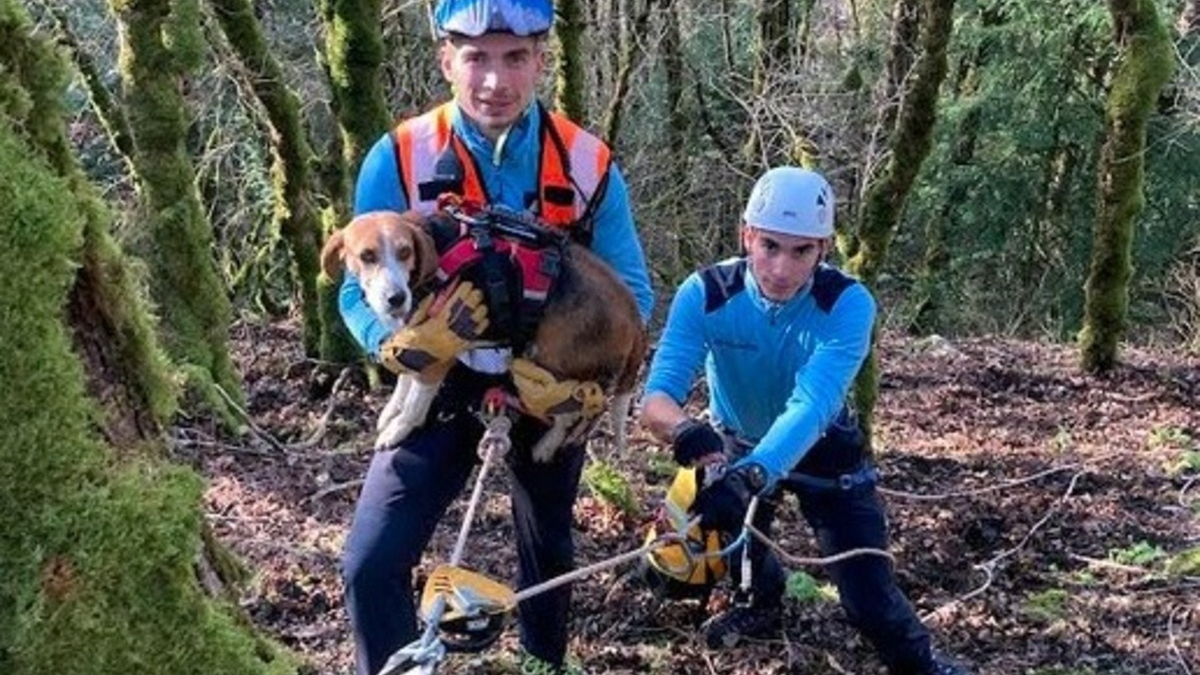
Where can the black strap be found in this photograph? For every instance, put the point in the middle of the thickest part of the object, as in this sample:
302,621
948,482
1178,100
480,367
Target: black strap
866,475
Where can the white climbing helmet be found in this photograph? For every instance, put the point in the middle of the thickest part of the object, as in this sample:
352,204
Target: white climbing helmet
791,200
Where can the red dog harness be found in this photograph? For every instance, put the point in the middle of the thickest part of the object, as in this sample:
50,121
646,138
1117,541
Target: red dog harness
515,260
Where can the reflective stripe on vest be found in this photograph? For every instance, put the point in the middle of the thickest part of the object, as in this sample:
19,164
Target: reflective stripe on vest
570,173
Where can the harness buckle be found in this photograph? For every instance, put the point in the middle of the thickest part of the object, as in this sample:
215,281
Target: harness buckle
495,402
551,262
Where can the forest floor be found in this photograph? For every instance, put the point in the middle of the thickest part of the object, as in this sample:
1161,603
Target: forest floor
1052,506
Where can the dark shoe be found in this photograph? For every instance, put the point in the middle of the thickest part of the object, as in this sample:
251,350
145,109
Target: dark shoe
726,629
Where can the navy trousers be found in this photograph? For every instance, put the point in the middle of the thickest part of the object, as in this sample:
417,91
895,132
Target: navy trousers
407,490
844,519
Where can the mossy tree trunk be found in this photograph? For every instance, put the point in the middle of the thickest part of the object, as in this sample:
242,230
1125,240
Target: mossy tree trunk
635,17
1145,66
804,28
677,122
902,49
908,146
353,58
570,83
97,557
113,333
772,55
295,213
159,44
108,110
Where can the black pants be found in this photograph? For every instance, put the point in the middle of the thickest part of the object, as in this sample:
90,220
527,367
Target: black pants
407,490
844,519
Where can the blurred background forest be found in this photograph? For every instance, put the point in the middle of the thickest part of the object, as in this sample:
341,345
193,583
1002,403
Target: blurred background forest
697,98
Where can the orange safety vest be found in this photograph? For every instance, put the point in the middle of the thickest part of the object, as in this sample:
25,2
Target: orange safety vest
431,159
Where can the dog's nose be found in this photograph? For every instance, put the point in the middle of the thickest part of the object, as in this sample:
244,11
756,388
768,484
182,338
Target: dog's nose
397,300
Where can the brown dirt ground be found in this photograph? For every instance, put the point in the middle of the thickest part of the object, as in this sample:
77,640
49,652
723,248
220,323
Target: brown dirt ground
1049,482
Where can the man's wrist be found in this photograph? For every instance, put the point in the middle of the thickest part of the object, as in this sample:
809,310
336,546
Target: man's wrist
755,477
683,426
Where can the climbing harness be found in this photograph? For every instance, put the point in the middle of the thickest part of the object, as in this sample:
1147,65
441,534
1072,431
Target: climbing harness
513,258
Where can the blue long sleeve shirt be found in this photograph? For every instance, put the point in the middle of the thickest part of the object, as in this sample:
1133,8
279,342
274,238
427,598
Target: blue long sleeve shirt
778,373
509,171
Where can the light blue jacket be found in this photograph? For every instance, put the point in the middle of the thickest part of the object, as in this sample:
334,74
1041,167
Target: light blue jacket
778,373
510,173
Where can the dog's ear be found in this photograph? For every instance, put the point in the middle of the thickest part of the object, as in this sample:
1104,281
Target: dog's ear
423,246
331,255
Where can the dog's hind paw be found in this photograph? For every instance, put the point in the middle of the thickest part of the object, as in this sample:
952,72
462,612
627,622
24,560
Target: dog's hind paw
553,439
395,432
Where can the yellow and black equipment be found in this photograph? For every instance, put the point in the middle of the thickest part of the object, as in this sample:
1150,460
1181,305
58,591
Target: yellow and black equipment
473,611
691,567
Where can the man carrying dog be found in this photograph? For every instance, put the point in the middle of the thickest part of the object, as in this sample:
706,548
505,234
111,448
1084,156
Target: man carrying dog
492,144
781,336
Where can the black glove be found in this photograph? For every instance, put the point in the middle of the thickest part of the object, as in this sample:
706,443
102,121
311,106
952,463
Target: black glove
694,439
722,505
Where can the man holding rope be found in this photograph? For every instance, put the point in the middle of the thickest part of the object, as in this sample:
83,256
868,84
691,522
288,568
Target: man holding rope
781,335
492,143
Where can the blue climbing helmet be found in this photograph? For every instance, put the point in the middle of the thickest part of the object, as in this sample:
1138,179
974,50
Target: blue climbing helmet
472,18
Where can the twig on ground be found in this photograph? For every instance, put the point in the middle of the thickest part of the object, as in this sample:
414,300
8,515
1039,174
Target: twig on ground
218,445
1109,564
1183,663
323,424
1140,398
971,493
1183,490
258,431
834,665
330,489
989,568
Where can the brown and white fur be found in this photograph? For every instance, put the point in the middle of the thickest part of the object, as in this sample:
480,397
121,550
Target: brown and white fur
591,329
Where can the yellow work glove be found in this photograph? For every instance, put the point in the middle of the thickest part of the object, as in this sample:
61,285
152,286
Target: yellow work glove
544,395
442,327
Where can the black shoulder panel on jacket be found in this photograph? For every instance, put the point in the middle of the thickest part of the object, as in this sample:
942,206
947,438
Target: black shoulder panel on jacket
828,284
721,282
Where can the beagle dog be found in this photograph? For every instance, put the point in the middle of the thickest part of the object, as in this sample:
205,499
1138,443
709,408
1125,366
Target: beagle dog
590,329
388,254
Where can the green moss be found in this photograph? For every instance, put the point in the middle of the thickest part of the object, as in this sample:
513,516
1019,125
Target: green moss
177,238
1147,62
1185,563
97,565
570,80
182,35
354,49
1046,606
611,487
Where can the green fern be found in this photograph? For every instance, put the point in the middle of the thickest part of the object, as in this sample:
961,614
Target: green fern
611,487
